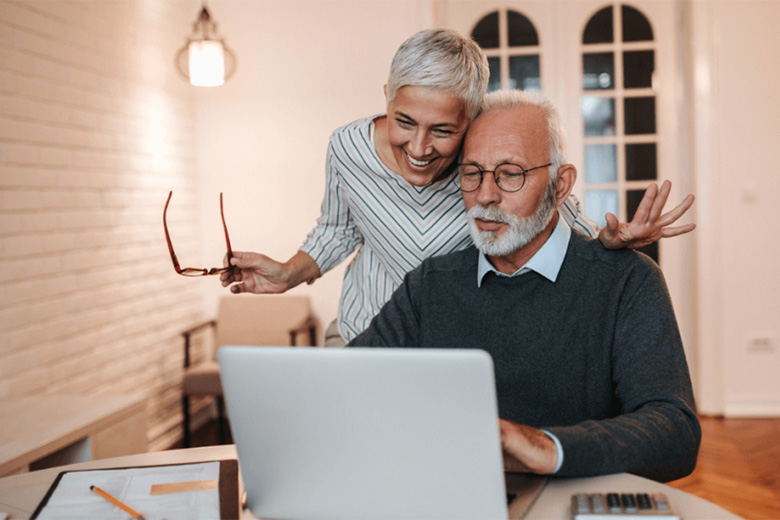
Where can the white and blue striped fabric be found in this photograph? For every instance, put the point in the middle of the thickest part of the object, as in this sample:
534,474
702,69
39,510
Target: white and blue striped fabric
395,224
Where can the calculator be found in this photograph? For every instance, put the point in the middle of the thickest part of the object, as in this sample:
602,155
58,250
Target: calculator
614,506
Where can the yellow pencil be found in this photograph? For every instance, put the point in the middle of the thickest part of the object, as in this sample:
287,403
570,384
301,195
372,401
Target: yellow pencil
121,505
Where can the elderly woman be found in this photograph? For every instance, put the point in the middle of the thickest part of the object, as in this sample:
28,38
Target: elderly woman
391,192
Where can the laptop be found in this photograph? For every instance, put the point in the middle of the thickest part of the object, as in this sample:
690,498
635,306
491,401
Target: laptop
360,433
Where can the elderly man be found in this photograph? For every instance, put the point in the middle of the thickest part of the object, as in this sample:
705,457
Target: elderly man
591,376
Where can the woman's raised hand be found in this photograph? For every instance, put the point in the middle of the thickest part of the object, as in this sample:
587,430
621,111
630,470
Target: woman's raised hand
648,224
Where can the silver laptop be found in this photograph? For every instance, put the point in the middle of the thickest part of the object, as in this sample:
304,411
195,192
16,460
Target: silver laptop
365,433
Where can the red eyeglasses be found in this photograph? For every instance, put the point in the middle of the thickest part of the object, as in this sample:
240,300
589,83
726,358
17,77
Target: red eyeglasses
194,271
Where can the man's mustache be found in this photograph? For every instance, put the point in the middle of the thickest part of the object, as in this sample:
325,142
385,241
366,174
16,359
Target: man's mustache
493,213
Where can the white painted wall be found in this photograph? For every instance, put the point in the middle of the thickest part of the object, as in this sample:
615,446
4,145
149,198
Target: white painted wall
736,133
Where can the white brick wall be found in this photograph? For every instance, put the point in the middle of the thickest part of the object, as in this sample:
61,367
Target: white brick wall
95,128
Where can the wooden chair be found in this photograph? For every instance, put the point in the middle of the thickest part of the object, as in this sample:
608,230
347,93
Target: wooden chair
271,320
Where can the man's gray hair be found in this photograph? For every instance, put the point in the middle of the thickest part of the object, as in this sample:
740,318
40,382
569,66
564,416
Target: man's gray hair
445,60
505,99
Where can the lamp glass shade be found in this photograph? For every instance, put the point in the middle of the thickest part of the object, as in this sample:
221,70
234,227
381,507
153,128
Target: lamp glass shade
207,63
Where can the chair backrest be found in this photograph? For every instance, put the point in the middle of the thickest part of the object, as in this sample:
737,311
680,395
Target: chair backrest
260,319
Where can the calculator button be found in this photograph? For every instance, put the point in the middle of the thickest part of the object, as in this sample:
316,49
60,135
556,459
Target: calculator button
580,503
599,503
629,502
661,503
613,502
643,501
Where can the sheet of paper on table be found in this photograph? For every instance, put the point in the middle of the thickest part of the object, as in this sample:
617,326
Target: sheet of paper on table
190,493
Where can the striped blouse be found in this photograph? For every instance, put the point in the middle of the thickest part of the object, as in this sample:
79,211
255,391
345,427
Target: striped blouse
395,224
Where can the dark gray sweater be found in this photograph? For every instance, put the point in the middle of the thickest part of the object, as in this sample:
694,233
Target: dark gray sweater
595,358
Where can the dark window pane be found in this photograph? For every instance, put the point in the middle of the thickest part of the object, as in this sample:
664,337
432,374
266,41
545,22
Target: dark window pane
598,71
524,73
636,28
600,164
486,31
494,83
599,28
521,30
633,198
599,115
640,115
638,69
641,162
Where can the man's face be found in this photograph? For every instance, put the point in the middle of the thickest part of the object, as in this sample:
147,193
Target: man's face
425,127
500,221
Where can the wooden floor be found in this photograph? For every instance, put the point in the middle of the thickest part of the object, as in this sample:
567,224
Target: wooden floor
738,468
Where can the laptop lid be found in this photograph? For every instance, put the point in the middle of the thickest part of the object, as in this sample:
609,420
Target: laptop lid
365,433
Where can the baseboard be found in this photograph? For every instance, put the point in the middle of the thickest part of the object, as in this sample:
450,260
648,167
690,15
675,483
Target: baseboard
752,408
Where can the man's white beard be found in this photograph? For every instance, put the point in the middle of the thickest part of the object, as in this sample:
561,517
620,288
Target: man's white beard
520,231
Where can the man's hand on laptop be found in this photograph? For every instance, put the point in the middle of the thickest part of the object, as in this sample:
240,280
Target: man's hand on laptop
527,449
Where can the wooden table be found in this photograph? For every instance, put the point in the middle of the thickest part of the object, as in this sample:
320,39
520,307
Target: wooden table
20,494
51,430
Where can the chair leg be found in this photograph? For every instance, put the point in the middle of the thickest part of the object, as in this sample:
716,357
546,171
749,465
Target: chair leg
221,419
185,407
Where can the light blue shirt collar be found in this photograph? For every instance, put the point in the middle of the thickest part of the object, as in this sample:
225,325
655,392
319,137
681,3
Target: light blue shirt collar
547,261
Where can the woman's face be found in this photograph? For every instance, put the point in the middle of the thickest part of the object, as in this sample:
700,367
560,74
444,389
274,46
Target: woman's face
425,127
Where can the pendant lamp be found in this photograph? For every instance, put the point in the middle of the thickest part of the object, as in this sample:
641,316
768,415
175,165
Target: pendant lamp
205,60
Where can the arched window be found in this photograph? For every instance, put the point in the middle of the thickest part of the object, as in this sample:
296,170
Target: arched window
619,112
511,44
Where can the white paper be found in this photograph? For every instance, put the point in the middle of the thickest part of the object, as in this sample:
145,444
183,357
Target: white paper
73,498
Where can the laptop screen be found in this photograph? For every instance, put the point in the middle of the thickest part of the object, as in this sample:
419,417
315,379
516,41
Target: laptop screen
359,433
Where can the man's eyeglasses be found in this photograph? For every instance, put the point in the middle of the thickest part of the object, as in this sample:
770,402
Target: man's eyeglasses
194,271
509,177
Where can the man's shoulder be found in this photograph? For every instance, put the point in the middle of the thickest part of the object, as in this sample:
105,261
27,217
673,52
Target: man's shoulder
593,253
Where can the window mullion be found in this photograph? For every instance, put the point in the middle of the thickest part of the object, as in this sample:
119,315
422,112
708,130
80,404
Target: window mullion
620,116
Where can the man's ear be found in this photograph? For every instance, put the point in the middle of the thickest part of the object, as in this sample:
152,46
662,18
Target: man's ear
385,91
567,176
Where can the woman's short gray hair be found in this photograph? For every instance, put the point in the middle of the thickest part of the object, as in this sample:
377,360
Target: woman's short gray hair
443,59
503,99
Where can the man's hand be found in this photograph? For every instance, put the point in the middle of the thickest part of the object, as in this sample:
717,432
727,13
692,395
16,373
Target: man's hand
648,225
527,449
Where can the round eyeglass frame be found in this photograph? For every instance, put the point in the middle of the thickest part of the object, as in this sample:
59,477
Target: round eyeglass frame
495,178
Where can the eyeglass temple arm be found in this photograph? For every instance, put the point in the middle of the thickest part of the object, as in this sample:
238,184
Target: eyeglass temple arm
224,226
537,167
175,260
